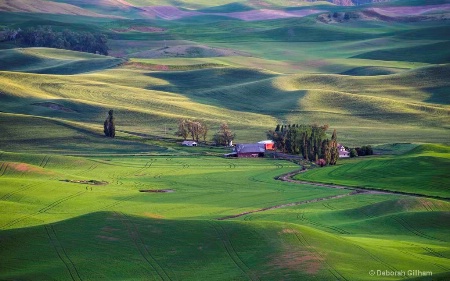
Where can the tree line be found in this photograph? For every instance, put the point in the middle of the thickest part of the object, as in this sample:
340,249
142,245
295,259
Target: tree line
310,141
361,151
45,36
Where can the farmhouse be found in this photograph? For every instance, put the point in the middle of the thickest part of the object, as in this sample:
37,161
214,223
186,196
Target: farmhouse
343,153
248,150
189,143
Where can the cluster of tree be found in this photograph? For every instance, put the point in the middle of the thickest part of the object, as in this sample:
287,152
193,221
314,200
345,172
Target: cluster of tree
224,136
109,127
193,128
198,130
45,36
308,140
361,151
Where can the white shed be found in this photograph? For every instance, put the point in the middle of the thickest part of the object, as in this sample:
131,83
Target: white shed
189,143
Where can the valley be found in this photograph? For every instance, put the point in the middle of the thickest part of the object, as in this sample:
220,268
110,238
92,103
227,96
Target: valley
76,205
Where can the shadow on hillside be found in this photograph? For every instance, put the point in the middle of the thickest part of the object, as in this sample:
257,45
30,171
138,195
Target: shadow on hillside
117,246
232,88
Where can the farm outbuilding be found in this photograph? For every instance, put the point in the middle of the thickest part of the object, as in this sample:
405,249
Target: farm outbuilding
249,150
189,143
268,144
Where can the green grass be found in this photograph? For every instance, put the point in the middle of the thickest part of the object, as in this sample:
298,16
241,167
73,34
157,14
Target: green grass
82,232
53,61
53,104
423,170
410,106
432,53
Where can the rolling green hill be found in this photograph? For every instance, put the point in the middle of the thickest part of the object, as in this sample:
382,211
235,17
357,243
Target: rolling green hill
53,61
421,171
383,104
177,235
75,205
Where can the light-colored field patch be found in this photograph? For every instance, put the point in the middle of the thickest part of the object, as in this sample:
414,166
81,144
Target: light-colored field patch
411,10
47,7
301,260
26,168
267,14
148,29
188,51
108,238
288,231
54,106
153,216
173,13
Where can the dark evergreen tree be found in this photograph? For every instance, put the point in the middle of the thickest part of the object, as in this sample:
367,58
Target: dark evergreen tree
334,148
109,127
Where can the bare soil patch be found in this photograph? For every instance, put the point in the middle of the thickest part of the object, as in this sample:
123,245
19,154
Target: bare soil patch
26,168
153,216
157,190
390,14
300,260
89,182
148,29
47,7
54,106
188,51
173,13
109,238
288,231
268,14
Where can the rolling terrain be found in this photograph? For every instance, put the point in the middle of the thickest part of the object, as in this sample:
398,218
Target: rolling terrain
75,205
176,234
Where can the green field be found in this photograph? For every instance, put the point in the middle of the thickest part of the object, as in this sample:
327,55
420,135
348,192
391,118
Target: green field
424,170
80,232
75,205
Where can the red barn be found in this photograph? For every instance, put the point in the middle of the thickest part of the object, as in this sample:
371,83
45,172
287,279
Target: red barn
268,144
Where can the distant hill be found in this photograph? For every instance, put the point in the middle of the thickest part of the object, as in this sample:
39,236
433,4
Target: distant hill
355,2
46,7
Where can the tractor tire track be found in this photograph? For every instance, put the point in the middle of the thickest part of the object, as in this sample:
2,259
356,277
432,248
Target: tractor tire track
430,252
375,258
21,189
288,205
46,162
434,253
62,254
231,252
289,178
3,169
331,269
116,203
136,237
42,210
59,201
415,231
328,206
332,228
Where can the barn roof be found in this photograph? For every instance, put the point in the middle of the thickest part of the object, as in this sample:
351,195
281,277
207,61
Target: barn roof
249,148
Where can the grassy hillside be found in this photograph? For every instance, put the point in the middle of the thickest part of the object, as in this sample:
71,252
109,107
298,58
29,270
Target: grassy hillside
141,207
403,107
421,171
53,61
80,232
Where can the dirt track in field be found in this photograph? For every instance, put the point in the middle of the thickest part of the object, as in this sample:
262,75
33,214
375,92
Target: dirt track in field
352,191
